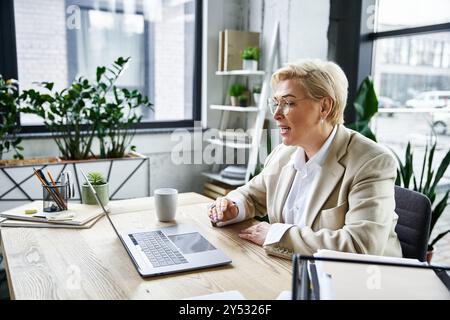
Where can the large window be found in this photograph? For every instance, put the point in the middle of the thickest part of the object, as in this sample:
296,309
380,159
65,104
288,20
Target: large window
401,14
406,67
411,71
59,40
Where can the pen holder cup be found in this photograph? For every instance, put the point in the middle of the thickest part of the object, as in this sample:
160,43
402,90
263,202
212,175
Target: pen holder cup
55,197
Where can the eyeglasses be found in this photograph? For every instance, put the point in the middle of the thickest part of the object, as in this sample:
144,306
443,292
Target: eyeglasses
283,103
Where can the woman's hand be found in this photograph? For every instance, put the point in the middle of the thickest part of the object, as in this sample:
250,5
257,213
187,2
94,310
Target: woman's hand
222,210
256,233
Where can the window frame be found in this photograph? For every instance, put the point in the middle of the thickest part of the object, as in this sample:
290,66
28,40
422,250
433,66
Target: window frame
9,69
8,53
403,32
432,28
349,45
354,51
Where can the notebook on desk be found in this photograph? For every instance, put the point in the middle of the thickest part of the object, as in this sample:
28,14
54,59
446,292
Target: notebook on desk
4,222
80,214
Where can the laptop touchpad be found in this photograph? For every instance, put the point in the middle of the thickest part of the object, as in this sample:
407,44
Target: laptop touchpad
191,242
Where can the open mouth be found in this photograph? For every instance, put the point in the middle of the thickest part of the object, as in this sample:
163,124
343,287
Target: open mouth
284,130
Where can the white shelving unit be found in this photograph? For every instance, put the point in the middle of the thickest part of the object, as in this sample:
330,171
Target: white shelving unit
234,108
241,73
218,177
260,111
230,144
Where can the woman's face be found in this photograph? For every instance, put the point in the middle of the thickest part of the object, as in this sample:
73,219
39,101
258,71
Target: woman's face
302,123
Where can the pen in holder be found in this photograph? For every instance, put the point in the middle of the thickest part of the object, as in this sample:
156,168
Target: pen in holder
55,197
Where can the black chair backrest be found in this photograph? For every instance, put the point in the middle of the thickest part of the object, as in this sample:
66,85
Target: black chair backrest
414,219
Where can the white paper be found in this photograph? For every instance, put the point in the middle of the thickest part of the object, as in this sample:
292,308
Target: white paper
355,281
285,295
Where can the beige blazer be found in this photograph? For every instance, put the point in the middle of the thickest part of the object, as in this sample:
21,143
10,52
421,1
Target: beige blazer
352,205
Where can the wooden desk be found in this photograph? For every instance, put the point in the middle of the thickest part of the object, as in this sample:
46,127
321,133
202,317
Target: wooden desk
93,264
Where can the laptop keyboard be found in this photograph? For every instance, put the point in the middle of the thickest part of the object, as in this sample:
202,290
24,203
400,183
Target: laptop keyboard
158,248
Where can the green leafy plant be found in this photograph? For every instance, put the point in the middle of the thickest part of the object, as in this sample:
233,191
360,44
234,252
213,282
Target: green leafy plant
426,183
85,110
9,111
71,115
236,90
243,98
257,89
96,178
118,114
251,53
366,106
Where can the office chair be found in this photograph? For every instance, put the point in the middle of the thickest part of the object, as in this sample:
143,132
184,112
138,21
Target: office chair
414,219
4,295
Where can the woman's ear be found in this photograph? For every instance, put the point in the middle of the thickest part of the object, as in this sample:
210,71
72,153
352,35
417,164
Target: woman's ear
326,107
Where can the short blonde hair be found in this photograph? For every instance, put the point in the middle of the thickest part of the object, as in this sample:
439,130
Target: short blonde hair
320,79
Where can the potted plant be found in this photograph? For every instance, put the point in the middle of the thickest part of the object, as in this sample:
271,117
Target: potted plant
101,188
71,116
250,57
256,94
235,91
76,117
427,183
118,115
366,106
9,126
243,99
85,110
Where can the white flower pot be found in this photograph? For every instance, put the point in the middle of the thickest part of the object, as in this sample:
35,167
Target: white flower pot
234,101
256,97
251,65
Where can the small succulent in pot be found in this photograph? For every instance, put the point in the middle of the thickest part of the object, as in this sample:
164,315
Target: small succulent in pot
243,99
251,53
96,178
250,57
256,94
235,91
100,185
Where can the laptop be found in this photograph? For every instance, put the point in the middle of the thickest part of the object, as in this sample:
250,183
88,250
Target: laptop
167,250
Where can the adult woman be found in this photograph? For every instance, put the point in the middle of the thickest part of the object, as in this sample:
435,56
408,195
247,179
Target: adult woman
325,186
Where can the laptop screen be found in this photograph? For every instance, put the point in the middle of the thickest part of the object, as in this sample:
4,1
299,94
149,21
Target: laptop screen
191,242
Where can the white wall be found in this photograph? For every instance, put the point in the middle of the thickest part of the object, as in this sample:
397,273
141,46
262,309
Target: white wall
307,30
46,33
218,15
303,28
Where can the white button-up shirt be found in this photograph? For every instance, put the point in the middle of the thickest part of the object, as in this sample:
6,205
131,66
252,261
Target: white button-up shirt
299,195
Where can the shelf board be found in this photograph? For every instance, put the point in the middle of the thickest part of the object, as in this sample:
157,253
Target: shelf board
218,177
240,73
234,108
413,110
235,135
230,144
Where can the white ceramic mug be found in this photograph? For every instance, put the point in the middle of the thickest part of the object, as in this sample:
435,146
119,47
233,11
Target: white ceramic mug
166,203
